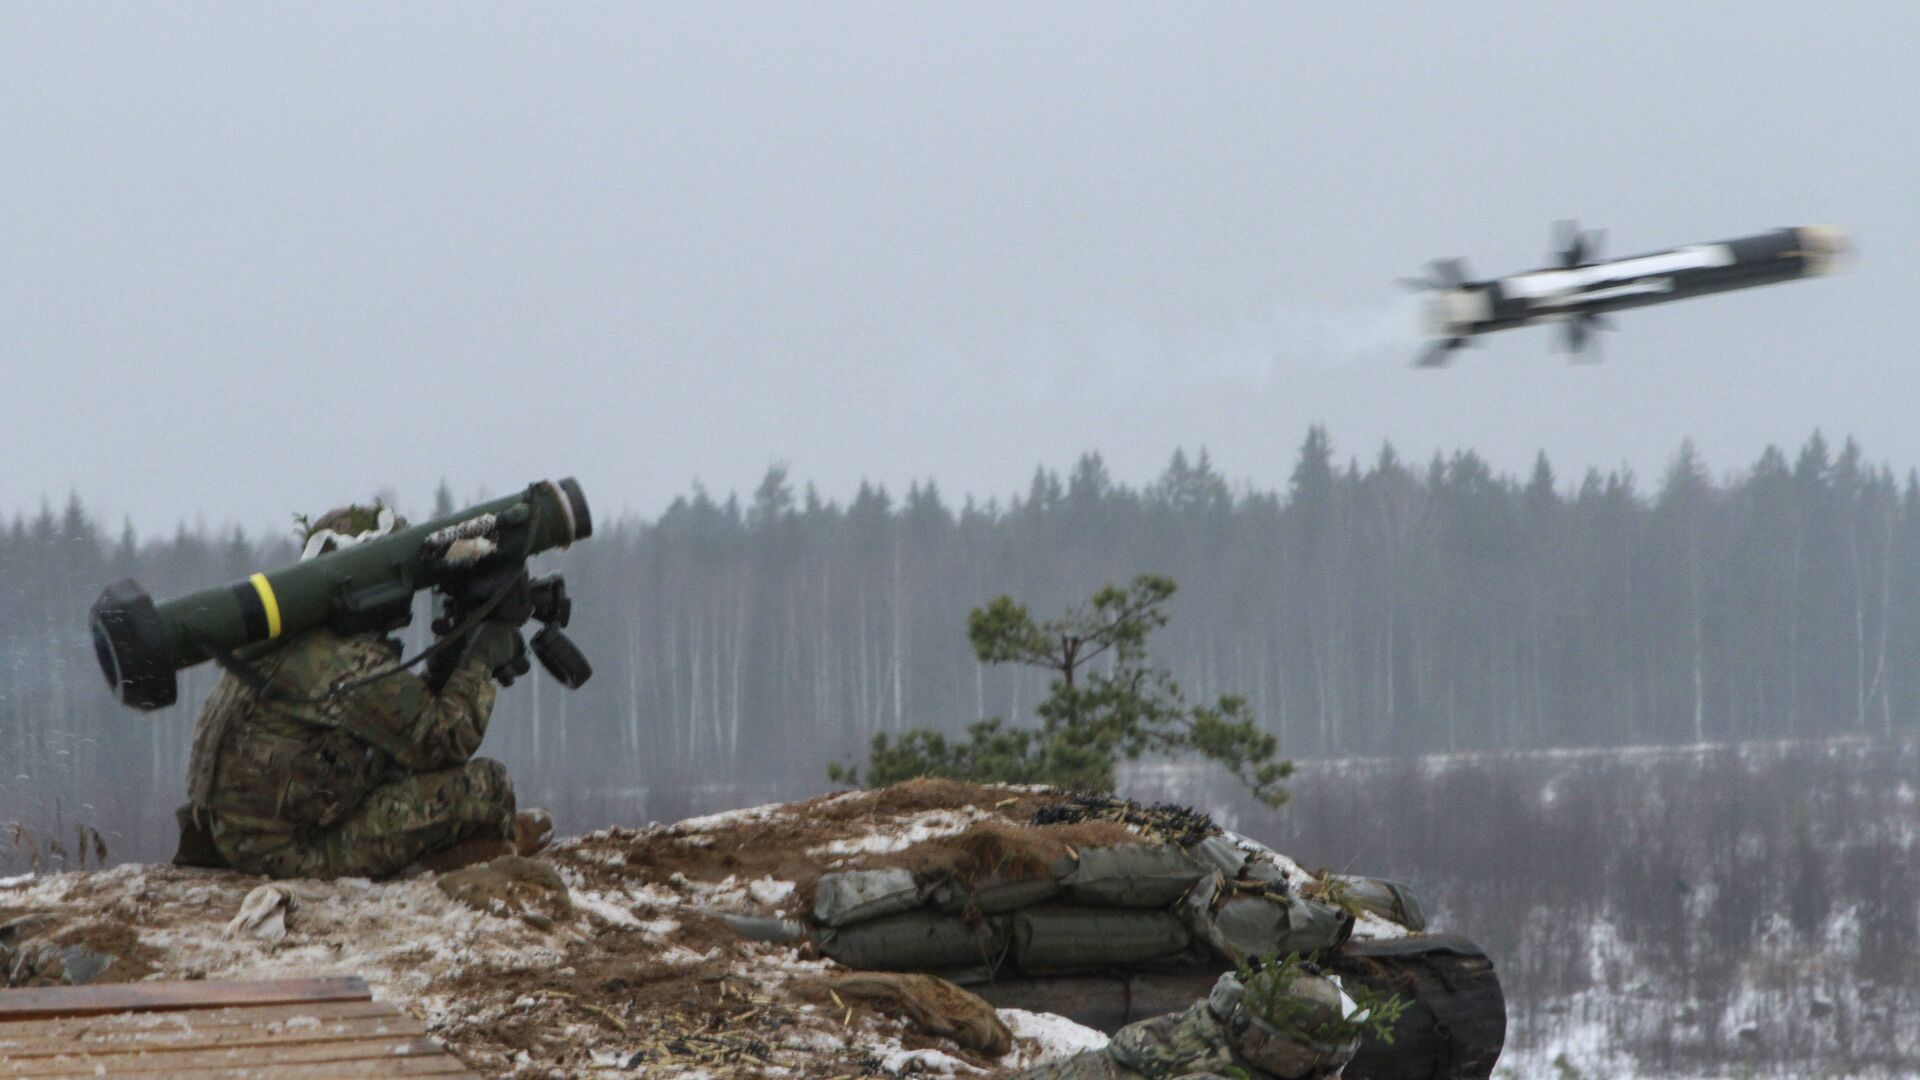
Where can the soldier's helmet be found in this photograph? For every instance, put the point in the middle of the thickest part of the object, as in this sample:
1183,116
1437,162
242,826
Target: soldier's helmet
1279,1023
346,526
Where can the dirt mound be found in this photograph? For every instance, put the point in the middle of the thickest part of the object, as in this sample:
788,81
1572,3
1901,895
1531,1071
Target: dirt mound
639,971
797,842
1166,822
53,949
1004,850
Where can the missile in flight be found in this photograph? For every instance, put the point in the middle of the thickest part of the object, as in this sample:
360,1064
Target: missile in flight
1579,291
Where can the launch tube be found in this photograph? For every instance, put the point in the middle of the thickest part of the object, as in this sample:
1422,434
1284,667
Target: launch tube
141,644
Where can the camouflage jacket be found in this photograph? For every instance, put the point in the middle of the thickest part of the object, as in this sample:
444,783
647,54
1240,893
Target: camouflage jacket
264,764
1190,1044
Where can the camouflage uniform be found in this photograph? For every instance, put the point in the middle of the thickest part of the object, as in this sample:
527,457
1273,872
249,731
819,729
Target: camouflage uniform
1216,1037
357,786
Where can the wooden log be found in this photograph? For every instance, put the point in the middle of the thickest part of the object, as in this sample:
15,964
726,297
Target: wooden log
46,1002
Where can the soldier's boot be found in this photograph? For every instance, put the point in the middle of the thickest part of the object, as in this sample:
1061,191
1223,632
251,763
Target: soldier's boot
466,853
196,842
532,831
418,816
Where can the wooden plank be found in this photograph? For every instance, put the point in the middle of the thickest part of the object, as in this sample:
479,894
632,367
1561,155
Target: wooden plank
444,1065
84,1060
280,1029
47,1002
364,1027
230,1016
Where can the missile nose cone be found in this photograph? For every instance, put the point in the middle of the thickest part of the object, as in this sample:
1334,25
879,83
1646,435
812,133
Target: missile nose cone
1826,248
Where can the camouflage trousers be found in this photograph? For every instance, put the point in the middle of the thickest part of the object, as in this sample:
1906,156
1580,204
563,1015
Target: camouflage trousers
396,824
1190,1044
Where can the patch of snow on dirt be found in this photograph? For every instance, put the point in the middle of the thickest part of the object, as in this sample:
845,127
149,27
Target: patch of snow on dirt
1368,926
768,892
925,1063
1039,1036
727,818
643,978
904,832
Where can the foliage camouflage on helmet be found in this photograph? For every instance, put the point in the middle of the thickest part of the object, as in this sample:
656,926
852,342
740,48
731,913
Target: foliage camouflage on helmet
345,527
1289,995
345,520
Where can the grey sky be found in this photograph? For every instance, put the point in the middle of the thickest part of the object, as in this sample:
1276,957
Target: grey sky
263,258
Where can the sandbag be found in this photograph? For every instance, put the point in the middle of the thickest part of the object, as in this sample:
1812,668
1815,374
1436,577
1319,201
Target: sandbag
1387,899
1222,855
917,941
1261,868
994,895
852,896
1133,876
1240,926
1050,940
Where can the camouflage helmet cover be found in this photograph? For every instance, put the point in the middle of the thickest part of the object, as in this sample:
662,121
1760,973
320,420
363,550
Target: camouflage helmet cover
345,526
1277,1038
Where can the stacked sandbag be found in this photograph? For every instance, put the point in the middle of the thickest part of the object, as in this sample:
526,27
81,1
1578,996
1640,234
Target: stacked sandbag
1248,908
1149,906
1091,909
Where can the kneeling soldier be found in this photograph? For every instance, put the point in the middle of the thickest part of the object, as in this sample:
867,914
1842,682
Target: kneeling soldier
290,781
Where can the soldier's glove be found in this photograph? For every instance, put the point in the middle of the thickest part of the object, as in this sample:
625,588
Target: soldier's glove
472,593
501,649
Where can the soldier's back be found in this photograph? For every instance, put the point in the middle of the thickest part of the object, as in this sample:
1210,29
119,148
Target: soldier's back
283,764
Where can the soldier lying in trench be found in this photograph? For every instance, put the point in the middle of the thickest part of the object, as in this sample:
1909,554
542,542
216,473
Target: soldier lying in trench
1279,1029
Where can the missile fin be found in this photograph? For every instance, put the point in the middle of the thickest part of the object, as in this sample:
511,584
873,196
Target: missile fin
1576,335
1566,242
1439,353
1449,273
1574,246
1581,342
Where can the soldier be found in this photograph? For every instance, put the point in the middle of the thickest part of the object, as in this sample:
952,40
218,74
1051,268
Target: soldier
289,782
1223,1036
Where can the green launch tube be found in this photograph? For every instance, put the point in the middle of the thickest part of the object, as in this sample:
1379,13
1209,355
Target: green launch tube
141,644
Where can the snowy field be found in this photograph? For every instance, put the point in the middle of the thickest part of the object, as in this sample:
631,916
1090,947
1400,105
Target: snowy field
1659,912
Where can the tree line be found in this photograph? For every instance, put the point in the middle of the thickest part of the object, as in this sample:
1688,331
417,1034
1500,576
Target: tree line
1382,606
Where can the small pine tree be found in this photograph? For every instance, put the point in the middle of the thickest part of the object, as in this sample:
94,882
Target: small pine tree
1094,714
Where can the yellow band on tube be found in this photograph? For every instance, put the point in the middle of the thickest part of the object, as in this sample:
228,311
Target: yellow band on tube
267,601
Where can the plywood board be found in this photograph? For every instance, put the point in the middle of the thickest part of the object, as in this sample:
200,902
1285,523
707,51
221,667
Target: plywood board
283,1029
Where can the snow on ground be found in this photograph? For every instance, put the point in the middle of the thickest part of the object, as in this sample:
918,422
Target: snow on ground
639,976
1040,1036
903,834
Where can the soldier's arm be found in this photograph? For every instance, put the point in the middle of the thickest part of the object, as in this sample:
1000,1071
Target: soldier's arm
421,729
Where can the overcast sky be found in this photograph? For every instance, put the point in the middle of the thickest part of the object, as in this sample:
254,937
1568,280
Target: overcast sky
264,258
